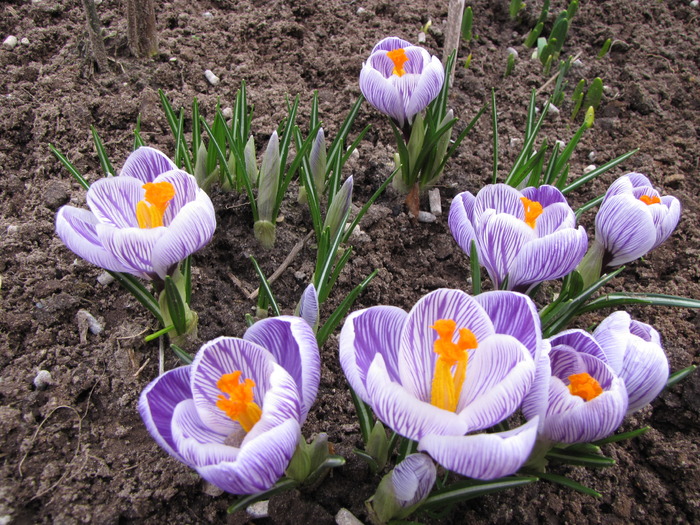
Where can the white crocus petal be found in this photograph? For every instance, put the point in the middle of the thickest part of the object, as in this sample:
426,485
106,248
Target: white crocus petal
132,247
77,228
483,456
669,220
198,444
402,412
499,374
645,371
375,330
537,398
186,190
145,164
500,198
293,345
226,355
381,93
624,226
501,238
555,217
190,230
549,257
416,356
428,87
259,464
157,404
413,479
612,334
460,220
390,43
113,200
308,306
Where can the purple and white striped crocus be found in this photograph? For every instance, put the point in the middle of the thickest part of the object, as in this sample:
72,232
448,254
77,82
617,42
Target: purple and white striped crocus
633,220
528,236
440,392
633,350
400,79
143,222
234,414
578,397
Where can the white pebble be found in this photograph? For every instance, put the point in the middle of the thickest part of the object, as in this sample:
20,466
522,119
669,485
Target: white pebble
435,202
173,59
24,41
514,141
512,51
105,278
86,321
361,11
207,14
694,3
560,143
10,42
553,110
211,77
211,490
227,112
591,156
589,168
43,379
258,510
577,63
421,37
345,517
426,216
12,229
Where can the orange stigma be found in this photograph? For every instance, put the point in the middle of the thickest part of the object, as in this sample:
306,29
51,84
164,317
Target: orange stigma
150,211
649,200
533,209
447,386
240,405
399,58
584,386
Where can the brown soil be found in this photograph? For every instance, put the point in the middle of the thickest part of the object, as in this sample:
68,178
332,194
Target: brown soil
77,451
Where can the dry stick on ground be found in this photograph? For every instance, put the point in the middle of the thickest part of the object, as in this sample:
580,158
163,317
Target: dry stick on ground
453,31
297,248
554,77
97,45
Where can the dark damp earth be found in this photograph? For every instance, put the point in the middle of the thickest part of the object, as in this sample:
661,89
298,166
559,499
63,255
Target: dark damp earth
76,451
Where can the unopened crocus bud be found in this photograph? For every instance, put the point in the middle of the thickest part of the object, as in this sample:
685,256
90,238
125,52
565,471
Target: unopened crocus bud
440,150
403,490
308,458
308,306
251,166
339,208
200,166
317,160
264,228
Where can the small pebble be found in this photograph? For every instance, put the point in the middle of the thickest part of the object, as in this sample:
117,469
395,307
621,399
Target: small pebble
694,3
589,168
86,321
553,111
227,112
258,510
43,379
577,63
172,59
10,42
12,229
560,143
105,278
426,216
435,201
24,41
591,156
345,517
421,37
211,490
514,142
207,14
211,77
512,51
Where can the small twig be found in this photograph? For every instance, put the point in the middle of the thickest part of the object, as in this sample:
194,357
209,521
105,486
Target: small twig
239,284
297,248
142,367
161,356
554,77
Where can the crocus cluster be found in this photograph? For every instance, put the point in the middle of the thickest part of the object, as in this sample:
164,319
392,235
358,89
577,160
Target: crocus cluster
234,414
143,222
522,237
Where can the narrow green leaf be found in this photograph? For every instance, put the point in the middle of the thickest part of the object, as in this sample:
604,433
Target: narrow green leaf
69,166
494,124
223,164
606,47
366,206
579,458
138,140
622,436
159,333
176,306
364,416
467,22
680,375
475,268
187,274
281,486
590,204
466,490
367,458
602,169
265,287
141,294
183,356
625,298
196,130
102,154
570,483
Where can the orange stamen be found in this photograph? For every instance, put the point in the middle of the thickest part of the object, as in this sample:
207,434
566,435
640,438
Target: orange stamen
584,386
240,405
447,385
150,211
533,209
646,199
399,58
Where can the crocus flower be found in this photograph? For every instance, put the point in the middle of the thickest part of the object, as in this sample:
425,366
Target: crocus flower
578,397
143,222
400,79
234,414
528,236
633,219
633,350
434,390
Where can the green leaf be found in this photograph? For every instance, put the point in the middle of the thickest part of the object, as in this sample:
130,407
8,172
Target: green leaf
281,486
475,268
573,457
176,306
622,436
265,287
467,22
466,490
183,356
680,375
102,154
141,294
534,34
570,483
494,127
602,169
606,47
69,166
364,416
625,298
594,94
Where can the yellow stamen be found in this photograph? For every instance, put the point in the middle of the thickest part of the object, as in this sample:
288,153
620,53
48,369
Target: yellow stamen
447,385
646,199
584,386
399,58
533,209
150,211
240,405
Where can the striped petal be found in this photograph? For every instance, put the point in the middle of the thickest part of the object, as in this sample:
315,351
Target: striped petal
225,355
612,334
157,404
581,342
113,200
645,372
77,228
145,164
404,413
428,87
555,217
501,198
186,191
549,257
308,306
416,356
546,195
292,343
499,374
132,247
537,398
376,330
483,456
190,230
413,479
513,314
390,43
668,220
460,220
382,94
624,226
